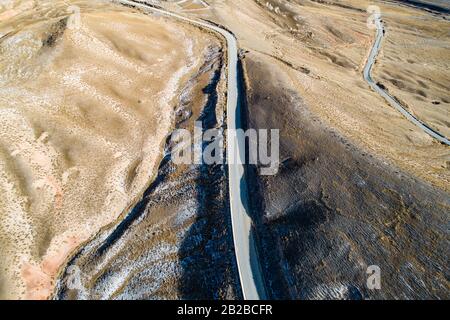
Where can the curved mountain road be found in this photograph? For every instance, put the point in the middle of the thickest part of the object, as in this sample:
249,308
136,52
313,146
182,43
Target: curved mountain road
391,100
244,243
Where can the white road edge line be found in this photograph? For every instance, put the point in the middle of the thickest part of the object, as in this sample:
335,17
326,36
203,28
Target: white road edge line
244,243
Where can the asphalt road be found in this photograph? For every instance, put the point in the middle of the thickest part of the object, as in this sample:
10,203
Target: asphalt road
391,100
244,243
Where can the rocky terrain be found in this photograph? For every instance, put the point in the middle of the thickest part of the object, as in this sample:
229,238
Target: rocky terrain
176,243
333,209
84,114
93,205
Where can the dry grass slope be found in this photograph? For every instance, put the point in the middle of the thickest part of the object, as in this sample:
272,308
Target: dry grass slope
83,116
